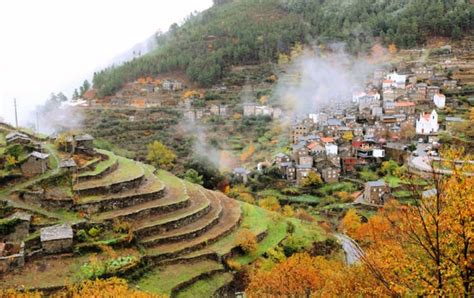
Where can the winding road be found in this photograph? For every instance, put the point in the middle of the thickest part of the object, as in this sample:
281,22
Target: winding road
351,249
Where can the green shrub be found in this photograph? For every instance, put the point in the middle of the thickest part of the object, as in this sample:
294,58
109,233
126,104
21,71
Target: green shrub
7,225
94,231
81,236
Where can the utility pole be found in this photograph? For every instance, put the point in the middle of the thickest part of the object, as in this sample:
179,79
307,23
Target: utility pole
16,113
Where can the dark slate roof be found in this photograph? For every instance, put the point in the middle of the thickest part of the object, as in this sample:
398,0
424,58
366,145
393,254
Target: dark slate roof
67,163
39,155
241,171
376,183
57,232
16,134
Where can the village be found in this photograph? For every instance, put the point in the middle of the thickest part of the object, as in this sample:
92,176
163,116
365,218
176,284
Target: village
398,117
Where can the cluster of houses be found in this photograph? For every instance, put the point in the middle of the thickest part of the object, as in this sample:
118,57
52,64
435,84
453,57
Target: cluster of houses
379,123
144,93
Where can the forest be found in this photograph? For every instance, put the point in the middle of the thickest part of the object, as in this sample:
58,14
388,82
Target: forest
251,32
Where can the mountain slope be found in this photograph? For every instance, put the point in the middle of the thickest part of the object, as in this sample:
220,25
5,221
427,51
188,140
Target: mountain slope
244,31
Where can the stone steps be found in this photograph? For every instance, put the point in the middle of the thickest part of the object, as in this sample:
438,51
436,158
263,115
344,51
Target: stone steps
198,207
198,228
229,221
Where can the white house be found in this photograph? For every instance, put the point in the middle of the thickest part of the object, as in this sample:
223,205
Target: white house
331,149
439,100
398,81
427,123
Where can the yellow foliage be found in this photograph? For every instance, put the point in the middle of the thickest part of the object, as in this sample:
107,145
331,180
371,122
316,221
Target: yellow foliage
233,264
392,48
269,203
247,241
288,211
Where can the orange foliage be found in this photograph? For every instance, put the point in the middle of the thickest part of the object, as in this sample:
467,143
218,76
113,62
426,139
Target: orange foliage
247,153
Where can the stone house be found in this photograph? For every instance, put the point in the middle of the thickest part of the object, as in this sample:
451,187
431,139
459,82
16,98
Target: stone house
57,238
431,91
330,175
316,149
241,174
300,149
81,142
17,138
306,160
397,152
22,228
68,164
405,107
450,84
281,158
423,72
250,109
374,192
36,163
291,173
299,130
302,171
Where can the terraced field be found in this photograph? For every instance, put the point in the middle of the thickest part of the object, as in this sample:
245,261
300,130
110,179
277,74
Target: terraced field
184,231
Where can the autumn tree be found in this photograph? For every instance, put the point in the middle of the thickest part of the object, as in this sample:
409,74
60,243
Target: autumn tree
160,156
312,180
270,203
350,222
247,241
426,248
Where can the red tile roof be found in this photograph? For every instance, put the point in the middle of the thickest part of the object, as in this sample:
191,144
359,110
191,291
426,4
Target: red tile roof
327,140
405,104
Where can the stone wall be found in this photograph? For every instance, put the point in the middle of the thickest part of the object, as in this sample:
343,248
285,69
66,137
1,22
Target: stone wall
9,262
55,246
107,171
114,188
173,224
120,202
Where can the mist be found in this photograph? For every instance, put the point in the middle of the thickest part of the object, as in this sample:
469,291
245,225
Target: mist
319,79
53,45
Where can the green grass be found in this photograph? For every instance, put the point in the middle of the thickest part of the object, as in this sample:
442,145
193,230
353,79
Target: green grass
402,194
304,199
101,166
3,141
368,175
329,189
162,280
392,181
156,185
207,287
126,171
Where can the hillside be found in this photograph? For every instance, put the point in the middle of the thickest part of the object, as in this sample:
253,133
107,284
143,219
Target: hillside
92,214
246,32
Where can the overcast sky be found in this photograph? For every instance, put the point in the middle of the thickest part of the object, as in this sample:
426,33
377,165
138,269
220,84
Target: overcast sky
53,45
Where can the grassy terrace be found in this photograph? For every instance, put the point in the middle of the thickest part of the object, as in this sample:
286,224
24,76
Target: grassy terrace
206,287
163,279
101,166
153,184
126,171
259,220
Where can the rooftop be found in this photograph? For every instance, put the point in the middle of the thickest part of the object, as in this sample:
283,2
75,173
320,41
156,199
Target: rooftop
377,183
39,155
57,232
